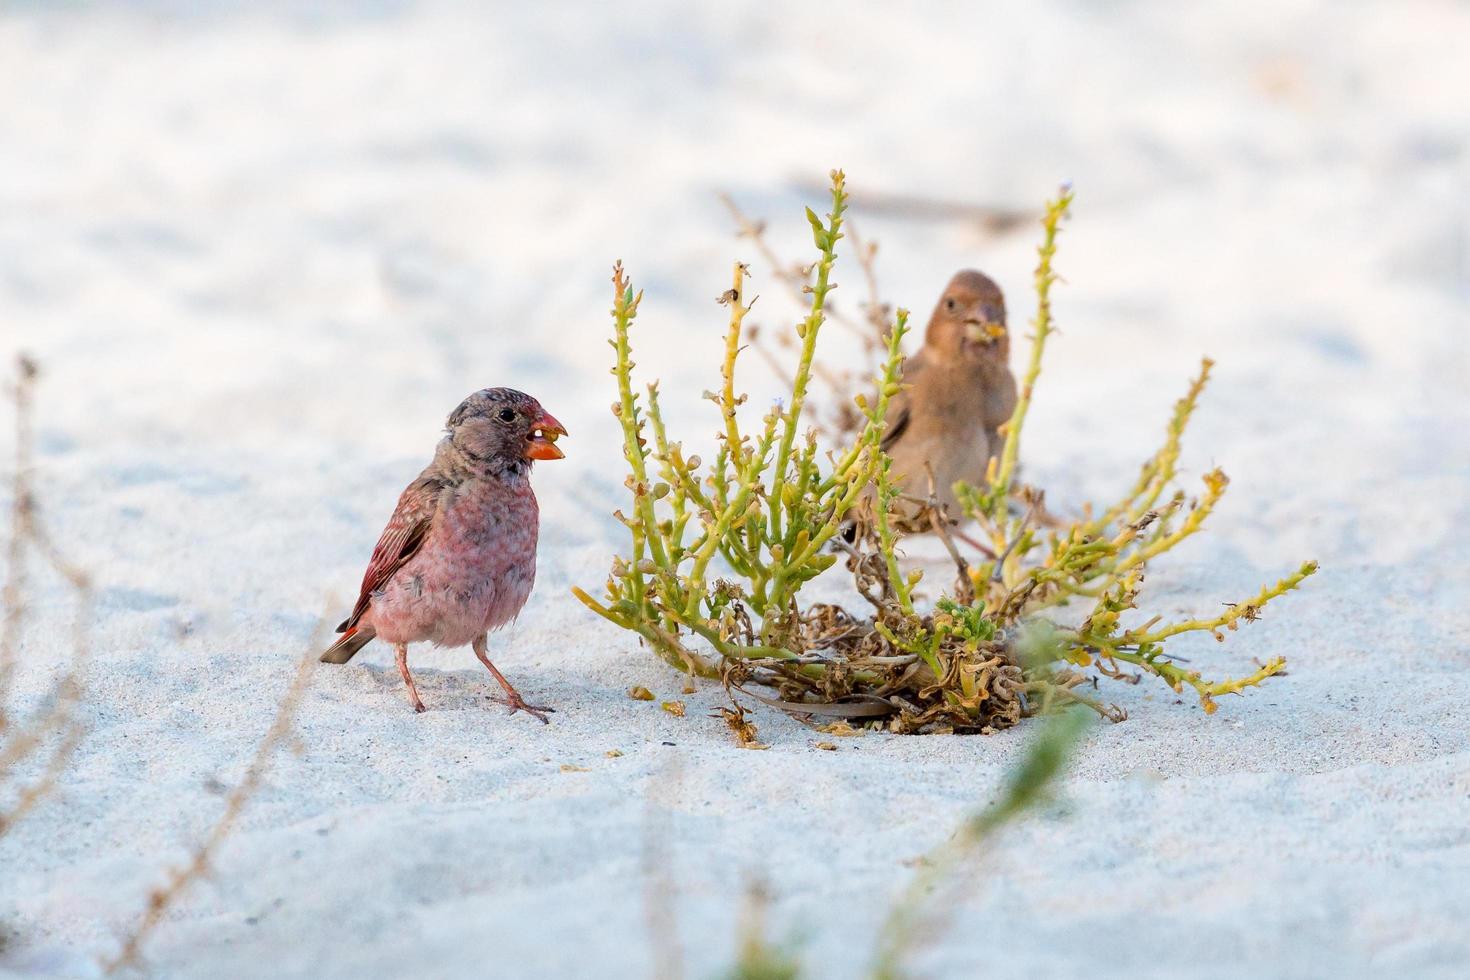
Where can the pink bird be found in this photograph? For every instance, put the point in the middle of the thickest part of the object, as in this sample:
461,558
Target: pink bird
458,556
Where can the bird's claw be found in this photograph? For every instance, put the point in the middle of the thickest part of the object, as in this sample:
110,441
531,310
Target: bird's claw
516,703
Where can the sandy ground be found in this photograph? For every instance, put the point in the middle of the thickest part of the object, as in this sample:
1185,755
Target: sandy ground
262,254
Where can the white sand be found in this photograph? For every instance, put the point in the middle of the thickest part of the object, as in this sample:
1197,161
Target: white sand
261,255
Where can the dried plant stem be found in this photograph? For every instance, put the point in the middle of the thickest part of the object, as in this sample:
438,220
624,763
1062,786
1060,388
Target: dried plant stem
795,277
200,862
22,523
840,422
51,737
876,312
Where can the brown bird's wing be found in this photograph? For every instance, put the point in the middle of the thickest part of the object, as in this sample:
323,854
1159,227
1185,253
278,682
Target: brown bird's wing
401,540
900,406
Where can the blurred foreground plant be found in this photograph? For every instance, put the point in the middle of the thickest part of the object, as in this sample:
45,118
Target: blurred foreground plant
919,916
773,508
757,957
920,913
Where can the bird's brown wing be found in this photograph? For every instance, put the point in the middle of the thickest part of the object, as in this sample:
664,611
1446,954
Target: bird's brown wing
900,406
401,540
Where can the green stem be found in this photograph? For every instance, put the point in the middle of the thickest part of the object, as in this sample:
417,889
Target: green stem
826,239
1000,485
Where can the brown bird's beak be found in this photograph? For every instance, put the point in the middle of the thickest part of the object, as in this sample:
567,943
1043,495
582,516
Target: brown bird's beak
543,438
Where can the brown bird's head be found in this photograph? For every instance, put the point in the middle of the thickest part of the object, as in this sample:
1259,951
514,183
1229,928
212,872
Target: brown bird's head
504,424
970,319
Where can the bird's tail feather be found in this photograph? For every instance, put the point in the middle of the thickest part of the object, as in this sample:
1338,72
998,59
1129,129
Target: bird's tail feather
351,641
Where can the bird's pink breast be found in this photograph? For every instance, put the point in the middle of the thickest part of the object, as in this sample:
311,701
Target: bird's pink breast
472,574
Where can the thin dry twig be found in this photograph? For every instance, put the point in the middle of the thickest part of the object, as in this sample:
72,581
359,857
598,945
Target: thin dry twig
988,219
871,329
51,737
199,865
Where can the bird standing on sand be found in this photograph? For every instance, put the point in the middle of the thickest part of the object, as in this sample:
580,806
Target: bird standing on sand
458,556
958,391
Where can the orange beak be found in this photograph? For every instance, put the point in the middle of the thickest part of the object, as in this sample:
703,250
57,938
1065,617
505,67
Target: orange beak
543,438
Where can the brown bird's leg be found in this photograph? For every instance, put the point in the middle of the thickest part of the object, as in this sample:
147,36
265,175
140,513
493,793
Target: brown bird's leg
975,543
513,697
413,692
1043,516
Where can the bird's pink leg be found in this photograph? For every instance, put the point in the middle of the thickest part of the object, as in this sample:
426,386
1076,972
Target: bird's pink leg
513,697
413,692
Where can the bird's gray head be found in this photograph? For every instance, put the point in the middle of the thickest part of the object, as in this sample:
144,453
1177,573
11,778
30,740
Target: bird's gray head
970,319
502,425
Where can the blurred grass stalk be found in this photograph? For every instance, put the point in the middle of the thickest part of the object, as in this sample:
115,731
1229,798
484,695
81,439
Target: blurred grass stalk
919,915
757,957
922,912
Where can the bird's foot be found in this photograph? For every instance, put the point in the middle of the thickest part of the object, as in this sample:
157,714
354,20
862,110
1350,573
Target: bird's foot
418,707
516,703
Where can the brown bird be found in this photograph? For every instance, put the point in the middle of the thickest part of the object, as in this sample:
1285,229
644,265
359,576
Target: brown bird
958,391
458,556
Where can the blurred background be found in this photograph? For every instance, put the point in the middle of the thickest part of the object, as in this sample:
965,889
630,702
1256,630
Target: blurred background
261,250
240,188
276,215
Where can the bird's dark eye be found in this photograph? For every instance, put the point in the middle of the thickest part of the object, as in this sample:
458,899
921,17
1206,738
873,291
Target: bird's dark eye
507,415
949,303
